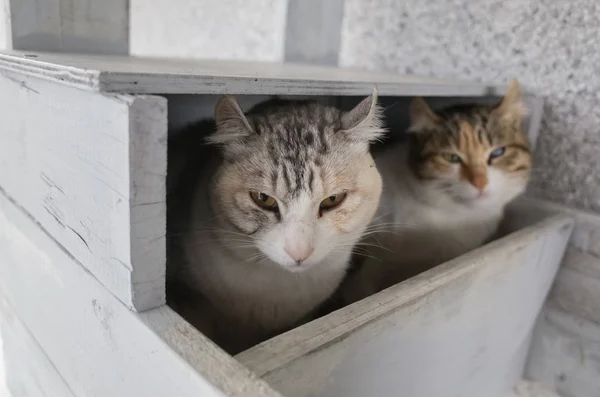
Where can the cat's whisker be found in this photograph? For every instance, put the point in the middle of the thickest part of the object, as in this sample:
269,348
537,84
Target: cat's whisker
391,226
362,244
253,258
365,255
219,230
374,245
375,238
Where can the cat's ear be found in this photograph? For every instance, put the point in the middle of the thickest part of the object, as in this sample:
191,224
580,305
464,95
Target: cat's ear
231,122
511,107
364,123
421,116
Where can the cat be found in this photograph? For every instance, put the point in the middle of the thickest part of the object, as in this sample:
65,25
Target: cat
263,220
445,189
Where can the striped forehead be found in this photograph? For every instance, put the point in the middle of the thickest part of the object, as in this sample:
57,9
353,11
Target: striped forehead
462,132
289,179
296,151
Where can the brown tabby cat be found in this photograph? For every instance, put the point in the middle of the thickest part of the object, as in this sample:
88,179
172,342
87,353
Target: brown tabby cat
445,190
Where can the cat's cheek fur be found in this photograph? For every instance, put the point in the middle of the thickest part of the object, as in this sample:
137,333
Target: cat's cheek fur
244,215
507,186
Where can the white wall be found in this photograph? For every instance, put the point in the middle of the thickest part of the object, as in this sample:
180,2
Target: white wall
223,29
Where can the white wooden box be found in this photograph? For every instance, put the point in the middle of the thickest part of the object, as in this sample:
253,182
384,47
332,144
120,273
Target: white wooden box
82,271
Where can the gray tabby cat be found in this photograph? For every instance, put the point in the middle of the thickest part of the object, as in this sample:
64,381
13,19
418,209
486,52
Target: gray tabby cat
262,228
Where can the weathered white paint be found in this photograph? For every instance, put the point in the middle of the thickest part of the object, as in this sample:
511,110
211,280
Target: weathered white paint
586,232
313,31
184,76
29,372
462,328
577,286
566,344
84,26
91,169
5,30
220,29
99,347
3,386
527,388
565,354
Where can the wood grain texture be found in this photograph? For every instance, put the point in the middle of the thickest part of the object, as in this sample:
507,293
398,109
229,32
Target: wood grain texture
565,354
30,373
100,347
91,169
208,29
181,76
577,286
566,344
5,26
313,31
462,328
83,26
576,289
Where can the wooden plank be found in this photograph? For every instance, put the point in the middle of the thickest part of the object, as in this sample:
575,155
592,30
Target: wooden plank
577,285
181,76
586,232
84,26
5,26
566,348
527,388
565,354
313,31
462,328
91,169
229,29
99,347
30,372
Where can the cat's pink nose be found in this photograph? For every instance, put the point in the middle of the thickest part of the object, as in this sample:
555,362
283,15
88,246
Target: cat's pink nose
299,252
480,181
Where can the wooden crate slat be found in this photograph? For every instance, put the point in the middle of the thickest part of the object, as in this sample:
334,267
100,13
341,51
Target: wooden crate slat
91,169
35,375
99,346
461,328
180,76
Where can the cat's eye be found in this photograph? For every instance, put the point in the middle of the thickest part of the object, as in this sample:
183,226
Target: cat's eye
451,157
332,201
263,200
497,153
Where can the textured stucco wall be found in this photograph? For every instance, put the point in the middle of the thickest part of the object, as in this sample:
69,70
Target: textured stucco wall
221,29
551,46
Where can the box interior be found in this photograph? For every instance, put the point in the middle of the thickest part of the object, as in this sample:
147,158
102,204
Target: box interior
185,109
